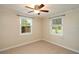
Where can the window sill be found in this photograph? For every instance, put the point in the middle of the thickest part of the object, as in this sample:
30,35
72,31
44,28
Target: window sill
57,34
25,33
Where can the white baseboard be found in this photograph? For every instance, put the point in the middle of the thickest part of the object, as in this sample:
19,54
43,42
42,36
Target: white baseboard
62,46
21,44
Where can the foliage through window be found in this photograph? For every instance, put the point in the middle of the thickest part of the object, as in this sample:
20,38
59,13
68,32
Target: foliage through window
57,27
26,25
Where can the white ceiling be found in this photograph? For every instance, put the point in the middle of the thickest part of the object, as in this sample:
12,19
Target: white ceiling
53,9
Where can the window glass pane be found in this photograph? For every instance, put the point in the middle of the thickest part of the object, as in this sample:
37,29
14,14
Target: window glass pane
57,21
25,29
24,22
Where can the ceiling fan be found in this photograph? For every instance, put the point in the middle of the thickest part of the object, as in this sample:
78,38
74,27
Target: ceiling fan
37,9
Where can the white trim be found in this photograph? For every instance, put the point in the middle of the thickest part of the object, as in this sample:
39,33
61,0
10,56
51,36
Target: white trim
25,33
62,46
50,30
29,33
21,44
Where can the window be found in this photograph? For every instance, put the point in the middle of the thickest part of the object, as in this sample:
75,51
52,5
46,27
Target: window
57,27
25,25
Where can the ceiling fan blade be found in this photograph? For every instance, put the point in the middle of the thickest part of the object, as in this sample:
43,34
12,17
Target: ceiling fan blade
44,10
30,11
42,5
28,7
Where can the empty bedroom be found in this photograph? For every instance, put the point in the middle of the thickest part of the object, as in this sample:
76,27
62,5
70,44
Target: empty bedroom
39,28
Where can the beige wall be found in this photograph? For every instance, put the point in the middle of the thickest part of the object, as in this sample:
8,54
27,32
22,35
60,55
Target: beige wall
10,32
70,38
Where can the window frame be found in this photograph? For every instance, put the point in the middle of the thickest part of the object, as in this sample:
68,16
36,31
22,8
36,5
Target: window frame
27,33
51,25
